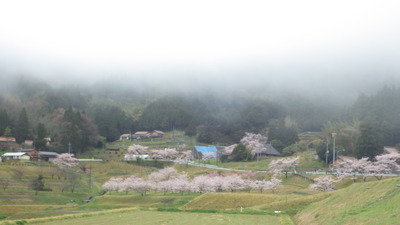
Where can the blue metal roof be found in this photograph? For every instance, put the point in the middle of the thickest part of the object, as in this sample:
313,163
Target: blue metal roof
207,151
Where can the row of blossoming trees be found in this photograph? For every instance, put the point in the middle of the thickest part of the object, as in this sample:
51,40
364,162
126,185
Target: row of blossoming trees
353,168
167,153
169,180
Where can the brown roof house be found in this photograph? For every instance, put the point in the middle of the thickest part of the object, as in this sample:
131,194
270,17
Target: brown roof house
157,134
141,134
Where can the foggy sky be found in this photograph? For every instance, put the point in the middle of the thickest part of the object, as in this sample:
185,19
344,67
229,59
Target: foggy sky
310,47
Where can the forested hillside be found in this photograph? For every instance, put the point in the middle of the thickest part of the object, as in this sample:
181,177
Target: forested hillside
86,115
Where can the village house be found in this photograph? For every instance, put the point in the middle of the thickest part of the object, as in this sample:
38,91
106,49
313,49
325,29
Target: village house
125,137
157,134
141,134
36,155
7,139
15,156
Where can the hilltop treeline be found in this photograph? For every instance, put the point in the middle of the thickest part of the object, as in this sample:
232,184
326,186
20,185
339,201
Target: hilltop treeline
86,116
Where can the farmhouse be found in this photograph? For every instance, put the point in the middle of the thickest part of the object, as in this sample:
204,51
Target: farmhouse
36,155
47,156
271,151
157,134
15,156
125,137
141,134
7,139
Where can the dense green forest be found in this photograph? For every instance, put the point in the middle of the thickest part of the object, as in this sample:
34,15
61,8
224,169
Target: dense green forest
86,115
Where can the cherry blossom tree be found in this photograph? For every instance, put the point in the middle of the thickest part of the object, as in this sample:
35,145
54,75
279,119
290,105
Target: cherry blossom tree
325,183
167,153
352,168
274,183
232,183
283,165
113,184
203,184
137,150
226,153
65,160
164,174
383,164
390,163
184,157
180,184
254,142
141,186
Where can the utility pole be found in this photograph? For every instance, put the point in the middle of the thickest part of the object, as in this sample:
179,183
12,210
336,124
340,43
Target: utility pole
326,154
334,143
69,147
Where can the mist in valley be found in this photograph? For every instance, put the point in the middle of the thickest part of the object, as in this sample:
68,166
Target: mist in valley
222,68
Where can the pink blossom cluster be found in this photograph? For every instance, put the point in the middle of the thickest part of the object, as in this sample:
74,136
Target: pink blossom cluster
65,160
383,164
169,180
137,150
167,153
254,142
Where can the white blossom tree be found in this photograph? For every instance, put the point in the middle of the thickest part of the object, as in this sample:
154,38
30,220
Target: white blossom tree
167,153
113,184
226,153
283,165
255,143
164,174
137,150
203,184
65,160
184,157
354,167
383,164
232,182
325,183
390,163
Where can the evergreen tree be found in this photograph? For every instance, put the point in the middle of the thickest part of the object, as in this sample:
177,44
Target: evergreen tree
40,141
287,135
240,153
4,121
370,143
22,127
7,132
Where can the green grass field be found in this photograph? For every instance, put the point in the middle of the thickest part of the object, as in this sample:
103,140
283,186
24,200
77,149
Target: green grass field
375,202
372,202
167,218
